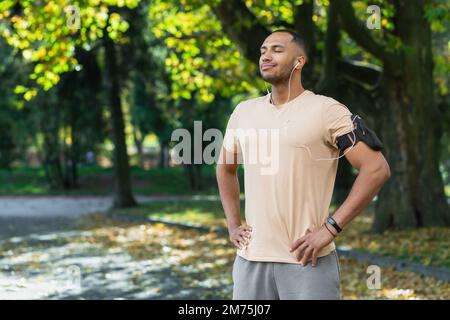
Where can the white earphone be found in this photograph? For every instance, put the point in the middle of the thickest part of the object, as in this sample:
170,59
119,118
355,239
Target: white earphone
289,85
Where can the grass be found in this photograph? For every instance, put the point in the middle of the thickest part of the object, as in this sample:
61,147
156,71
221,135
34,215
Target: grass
204,213
95,180
428,246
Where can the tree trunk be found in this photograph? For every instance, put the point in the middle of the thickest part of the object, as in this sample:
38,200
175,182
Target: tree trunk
412,125
139,144
415,196
190,174
304,25
194,172
163,154
123,196
198,176
74,156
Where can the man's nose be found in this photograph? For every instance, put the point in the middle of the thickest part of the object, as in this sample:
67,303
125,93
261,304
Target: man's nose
266,58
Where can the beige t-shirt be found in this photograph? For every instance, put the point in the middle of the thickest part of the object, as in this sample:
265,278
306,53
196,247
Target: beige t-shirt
287,187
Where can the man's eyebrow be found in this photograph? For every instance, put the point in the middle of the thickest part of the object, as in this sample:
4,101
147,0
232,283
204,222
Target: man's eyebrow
273,46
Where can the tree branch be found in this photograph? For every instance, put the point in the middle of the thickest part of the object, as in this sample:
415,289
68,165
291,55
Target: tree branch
327,83
358,31
241,25
282,23
366,73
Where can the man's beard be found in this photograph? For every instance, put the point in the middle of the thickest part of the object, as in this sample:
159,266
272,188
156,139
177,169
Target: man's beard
275,79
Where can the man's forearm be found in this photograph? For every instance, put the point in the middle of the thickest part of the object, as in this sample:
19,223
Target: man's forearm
230,196
366,186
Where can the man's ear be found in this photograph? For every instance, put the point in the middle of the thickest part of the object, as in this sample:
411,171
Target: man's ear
304,59
300,62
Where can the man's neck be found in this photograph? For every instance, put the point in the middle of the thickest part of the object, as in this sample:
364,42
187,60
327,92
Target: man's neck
280,94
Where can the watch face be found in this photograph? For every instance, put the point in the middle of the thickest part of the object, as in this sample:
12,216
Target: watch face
334,224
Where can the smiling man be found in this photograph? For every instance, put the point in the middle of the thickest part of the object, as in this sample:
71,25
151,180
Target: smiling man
285,247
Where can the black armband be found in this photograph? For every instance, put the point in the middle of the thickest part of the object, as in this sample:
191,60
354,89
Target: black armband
361,133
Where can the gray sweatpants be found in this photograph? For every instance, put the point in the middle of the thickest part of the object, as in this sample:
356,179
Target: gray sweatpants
254,280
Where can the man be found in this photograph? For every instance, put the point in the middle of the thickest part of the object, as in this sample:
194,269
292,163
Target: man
286,209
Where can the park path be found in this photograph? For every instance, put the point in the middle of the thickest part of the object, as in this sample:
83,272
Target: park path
72,206
44,254
22,215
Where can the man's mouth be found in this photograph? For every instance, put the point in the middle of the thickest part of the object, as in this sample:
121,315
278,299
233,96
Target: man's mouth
267,66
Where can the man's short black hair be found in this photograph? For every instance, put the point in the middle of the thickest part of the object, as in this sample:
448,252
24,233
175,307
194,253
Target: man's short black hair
296,37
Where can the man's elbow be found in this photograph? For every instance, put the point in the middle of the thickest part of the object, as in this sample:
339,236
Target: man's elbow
380,170
383,171
388,171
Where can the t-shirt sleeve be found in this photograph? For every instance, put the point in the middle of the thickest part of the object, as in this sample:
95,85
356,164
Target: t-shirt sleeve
337,121
230,140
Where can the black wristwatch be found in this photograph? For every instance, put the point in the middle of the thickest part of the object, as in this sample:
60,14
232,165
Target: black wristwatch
331,221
